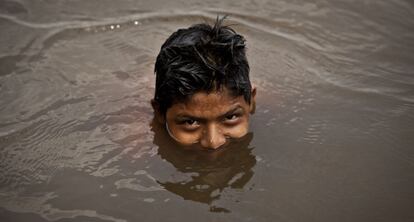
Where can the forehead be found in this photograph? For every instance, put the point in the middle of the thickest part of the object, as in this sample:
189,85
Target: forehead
208,104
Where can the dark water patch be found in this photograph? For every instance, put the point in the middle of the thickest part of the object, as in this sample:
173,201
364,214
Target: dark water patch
12,7
8,64
6,215
121,75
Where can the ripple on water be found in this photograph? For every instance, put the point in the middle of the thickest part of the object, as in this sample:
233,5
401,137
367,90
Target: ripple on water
65,103
314,132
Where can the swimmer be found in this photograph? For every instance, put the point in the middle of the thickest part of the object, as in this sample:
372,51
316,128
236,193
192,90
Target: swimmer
203,94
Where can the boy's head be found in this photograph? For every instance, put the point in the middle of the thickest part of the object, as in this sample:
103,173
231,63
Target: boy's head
203,92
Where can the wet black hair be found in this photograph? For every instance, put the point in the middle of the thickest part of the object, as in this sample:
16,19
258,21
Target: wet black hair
201,58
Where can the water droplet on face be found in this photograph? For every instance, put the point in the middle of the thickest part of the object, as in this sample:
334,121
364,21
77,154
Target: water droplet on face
136,23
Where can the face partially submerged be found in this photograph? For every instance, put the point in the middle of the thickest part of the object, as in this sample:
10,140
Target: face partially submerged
209,119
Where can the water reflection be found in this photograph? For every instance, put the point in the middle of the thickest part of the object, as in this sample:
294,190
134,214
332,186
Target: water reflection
203,175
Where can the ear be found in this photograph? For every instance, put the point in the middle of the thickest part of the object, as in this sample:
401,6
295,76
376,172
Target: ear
157,112
253,100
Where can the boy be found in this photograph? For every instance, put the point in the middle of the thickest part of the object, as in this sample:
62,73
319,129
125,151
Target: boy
203,93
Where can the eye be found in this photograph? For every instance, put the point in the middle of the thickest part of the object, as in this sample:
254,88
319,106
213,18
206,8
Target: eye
232,118
189,124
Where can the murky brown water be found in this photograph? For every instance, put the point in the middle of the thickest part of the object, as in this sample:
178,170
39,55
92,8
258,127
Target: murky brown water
332,139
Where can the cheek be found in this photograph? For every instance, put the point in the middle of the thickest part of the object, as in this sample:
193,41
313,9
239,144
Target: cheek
238,130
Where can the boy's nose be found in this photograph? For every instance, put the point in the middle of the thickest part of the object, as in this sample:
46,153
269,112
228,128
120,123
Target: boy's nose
212,137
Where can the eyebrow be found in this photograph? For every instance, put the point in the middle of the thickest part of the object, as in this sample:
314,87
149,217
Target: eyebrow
231,111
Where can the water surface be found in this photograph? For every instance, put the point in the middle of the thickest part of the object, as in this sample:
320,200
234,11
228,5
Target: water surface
332,138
